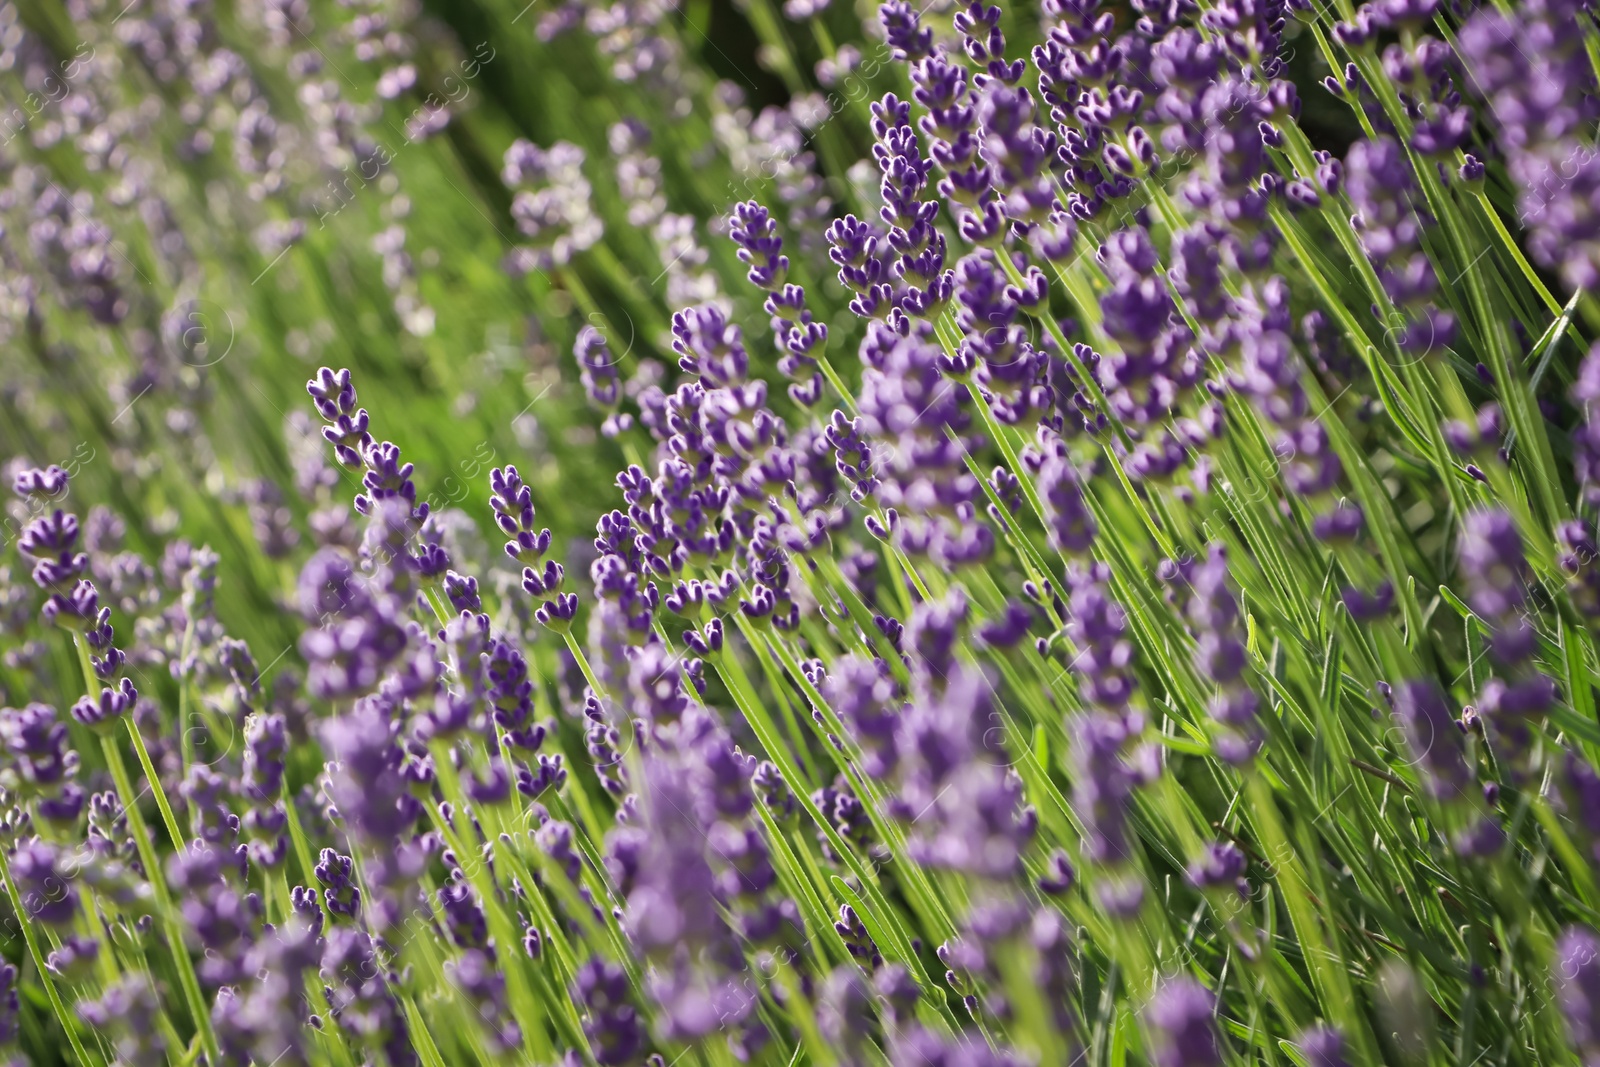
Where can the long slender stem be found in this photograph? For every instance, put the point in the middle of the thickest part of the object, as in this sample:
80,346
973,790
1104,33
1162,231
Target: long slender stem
31,936
169,915
147,853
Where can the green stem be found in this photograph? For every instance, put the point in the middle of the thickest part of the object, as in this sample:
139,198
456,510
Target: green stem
169,916
147,853
31,936
524,1006
1329,971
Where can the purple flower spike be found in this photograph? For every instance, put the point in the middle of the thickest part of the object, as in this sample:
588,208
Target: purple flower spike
1579,555
126,1014
1072,525
769,787
845,1014
41,483
1019,153
597,369
1156,364
476,974
335,400
44,883
358,631
852,454
1009,628
1097,628
902,30
1578,982
462,592
1181,1014
514,514
266,750
1059,876
710,346
1323,1046
36,742
360,994
865,700
753,230
10,1005
1586,437
1391,219
551,206
339,892
613,1028
856,249
1496,573
802,339
104,713
558,614
1221,867
985,44
1103,788
1539,87
1432,736
908,403
1342,525
1368,607
1008,367
51,541
1493,563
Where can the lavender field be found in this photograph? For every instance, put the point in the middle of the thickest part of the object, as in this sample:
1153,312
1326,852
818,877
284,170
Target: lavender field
799,532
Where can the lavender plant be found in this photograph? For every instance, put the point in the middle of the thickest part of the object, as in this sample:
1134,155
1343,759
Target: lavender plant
1037,534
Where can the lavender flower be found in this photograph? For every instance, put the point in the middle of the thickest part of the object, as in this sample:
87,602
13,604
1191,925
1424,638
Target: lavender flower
1432,735
905,401
551,206
1220,654
359,628
673,917
1101,795
1008,367
1586,437
359,995
903,32
1185,1035
1491,557
598,373
1540,91
1097,628
845,1014
126,1012
925,286
1578,982
612,1025
1578,557
43,883
1390,222
1323,1046
801,337
1155,365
